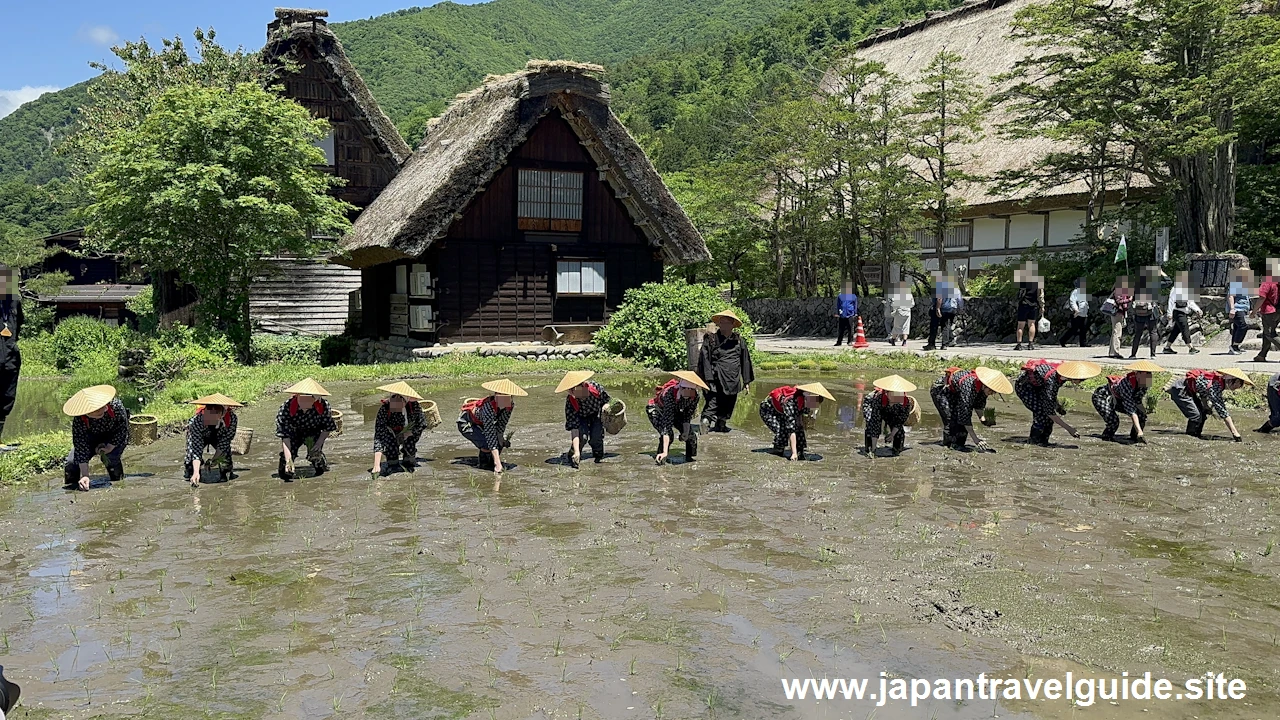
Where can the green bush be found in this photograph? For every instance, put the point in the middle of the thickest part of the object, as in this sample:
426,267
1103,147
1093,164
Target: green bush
179,349
286,350
650,324
144,308
336,350
78,340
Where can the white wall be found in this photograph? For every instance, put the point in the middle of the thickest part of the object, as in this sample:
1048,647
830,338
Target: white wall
1026,229
1064,226
988,233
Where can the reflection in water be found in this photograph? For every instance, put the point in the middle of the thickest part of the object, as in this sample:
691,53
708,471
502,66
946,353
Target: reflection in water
39,405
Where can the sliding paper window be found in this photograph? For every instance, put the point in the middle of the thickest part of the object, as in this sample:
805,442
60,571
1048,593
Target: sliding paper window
550,200
577,277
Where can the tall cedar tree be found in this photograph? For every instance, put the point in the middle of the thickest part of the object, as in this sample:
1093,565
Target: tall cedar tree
1166,81
947,112
209,184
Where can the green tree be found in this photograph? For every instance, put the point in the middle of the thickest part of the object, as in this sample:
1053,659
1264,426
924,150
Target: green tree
1167,81
23,249
209,184
947,112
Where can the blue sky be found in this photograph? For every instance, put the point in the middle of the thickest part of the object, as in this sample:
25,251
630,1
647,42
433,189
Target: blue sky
48,44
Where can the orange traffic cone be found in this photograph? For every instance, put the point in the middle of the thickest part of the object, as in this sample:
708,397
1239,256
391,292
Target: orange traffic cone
860,340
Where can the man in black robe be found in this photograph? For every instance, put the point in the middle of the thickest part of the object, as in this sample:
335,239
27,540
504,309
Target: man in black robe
725,366
10,358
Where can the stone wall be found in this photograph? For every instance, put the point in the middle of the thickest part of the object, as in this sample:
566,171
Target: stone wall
983,319
367,351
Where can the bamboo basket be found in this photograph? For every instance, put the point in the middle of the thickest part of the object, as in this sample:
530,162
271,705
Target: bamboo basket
614,417
913,416
337,420
432,413
143,430
243,440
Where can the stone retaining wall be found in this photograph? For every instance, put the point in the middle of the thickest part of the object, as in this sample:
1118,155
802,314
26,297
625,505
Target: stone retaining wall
368,351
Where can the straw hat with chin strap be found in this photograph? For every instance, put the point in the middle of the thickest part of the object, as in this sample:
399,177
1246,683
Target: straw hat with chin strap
402,389
308,387
894,383
994,379
691,377
573,379
89,400
1144,366
1238,374
816,389
504,387
215,399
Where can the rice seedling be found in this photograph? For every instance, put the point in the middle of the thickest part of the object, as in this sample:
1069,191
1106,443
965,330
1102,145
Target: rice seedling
631,668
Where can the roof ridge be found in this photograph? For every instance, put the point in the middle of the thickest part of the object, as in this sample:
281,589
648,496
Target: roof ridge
909,27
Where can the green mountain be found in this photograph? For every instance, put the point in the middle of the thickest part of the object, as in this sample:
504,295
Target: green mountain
29,134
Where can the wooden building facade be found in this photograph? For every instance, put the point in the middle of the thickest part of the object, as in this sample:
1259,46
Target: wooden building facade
527,205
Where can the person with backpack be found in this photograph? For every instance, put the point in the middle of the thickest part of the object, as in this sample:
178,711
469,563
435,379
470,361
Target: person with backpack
724,364
1269,309
846,311
784,412
1145,312
888,407
304,420
1125,394
99,426
1078,306
1030,303
960,393
1182,305
10,356
583,402
1116,308
1199,392
397,428
673,406
1273,404
214,425
1037,387
947,301
483,422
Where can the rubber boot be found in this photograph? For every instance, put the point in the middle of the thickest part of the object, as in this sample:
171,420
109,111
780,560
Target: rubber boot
691,447
1109,436
283,471
722,426
71,475
485,460
899,441
115,472
318,461
225,471
1266,427
1195,428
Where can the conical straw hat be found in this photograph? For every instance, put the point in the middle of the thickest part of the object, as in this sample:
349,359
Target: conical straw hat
894,383
88,400
402,389
215,399
1079,369
1238,374
690,376
574,379
737,322
308,387
817,389
994,379
504,387
1144,366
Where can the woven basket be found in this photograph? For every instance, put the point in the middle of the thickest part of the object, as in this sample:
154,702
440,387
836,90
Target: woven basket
337,420
143,430
432,413
243,440
614,417
913,416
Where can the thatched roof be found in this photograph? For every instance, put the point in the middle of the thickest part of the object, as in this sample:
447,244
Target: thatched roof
979,33
295,28
466,147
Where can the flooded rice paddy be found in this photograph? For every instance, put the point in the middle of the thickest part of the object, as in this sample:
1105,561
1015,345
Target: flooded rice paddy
626,590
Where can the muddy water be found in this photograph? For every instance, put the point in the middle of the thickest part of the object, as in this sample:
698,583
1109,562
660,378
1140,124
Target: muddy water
38,407
628,590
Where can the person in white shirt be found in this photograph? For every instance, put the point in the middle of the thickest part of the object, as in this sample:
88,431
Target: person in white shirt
903,302
1078,303
1182,305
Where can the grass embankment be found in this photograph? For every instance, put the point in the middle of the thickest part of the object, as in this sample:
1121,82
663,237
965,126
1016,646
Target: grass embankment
45,451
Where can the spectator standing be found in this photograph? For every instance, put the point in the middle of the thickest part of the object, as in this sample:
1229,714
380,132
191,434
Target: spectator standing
1078,303
1269,309
903,302
1030,303
1116,308
947,301
1239,307
1182,305
846,311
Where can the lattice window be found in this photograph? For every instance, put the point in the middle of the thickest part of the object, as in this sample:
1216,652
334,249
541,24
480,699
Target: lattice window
550,200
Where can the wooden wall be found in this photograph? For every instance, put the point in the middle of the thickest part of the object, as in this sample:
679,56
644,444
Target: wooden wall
494,284
305,296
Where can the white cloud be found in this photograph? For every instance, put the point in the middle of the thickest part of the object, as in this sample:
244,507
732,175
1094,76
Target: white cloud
10,100
99,35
